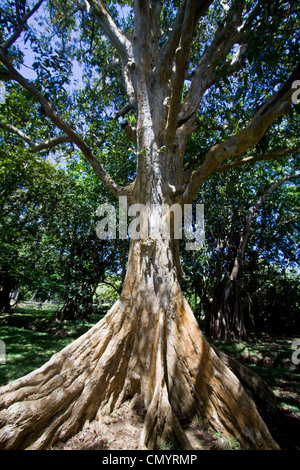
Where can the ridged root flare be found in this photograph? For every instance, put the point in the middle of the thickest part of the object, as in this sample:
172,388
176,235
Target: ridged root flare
148,349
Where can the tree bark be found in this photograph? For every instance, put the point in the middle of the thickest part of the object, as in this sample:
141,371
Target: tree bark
76,307
70,310
5,291
149,350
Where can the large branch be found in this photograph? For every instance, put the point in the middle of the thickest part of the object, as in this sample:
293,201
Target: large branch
173,63
278,105
116,189
110,29
142,37
155,7
4,75
36,147
234,31
147,32
206,72
169,48
180,66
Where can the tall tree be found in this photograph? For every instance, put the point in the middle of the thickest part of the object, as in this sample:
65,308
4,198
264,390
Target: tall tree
252,226
226,319
149,348
30,195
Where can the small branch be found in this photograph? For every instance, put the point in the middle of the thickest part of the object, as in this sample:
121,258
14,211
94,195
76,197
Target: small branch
284,90
203,124
116,189
128,107
64,19
130,132
168,49
264,286
12,129
17,32
247,160
36,147
121,42
17,10
117,289
194,163
240,255
121,168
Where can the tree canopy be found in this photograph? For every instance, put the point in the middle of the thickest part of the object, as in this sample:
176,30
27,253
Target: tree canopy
222,62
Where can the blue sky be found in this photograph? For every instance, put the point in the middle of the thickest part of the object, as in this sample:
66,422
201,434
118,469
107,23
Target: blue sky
29,56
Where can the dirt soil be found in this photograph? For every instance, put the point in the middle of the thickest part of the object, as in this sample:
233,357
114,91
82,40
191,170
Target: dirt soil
122,431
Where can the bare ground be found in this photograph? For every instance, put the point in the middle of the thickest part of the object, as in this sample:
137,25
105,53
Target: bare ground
122,430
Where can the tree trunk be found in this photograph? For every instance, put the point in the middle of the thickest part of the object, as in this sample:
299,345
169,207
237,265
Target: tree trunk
218,322
69,311
5,291
225,315
238,319
148,349
33,296
77,306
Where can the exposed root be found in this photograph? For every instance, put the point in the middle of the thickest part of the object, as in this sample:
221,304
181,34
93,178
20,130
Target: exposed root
172,372
53,402
148,350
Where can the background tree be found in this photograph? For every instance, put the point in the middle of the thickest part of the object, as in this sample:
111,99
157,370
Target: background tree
148,349
250,226
84,259
52,249
48,243
29,197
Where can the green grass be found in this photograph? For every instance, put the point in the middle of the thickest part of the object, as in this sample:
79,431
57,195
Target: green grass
26,350
167,445
228,443
31,337
271,359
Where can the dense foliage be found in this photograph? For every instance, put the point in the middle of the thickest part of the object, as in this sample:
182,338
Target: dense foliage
48,241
